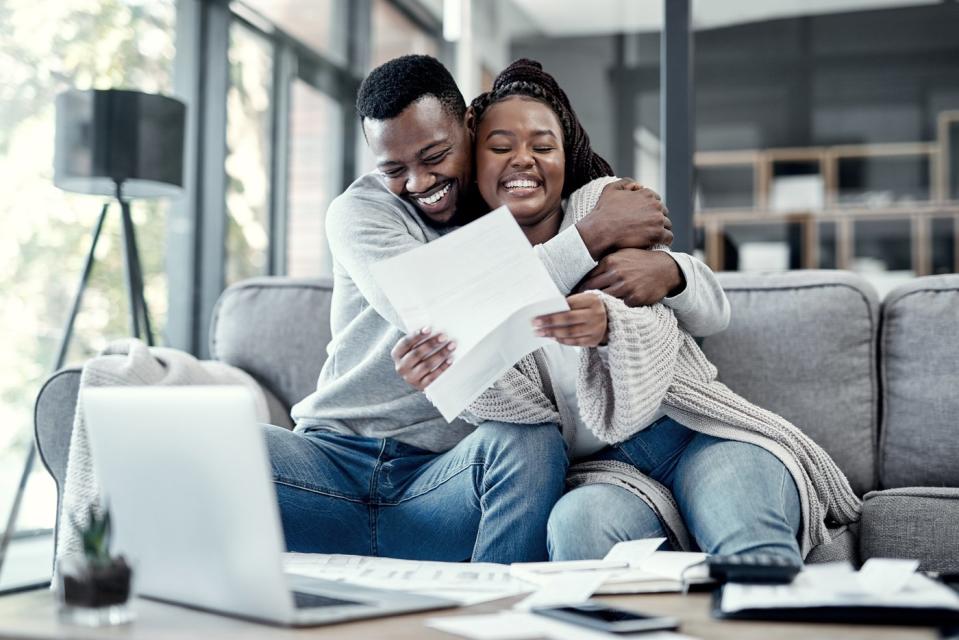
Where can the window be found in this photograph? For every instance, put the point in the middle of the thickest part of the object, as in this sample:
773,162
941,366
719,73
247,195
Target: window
47,48
248,134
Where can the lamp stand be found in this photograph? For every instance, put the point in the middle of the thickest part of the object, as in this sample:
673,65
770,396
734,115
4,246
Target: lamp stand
139,319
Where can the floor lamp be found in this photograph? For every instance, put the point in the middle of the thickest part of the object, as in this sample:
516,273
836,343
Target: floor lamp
119,144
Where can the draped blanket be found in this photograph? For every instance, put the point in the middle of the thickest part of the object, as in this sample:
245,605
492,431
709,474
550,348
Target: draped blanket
130,362
653,363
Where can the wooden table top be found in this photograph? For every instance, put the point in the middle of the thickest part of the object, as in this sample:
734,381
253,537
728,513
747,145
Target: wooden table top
34,615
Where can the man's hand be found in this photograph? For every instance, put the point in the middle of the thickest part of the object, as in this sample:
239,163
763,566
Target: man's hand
638,278
627,215
584,325
421,357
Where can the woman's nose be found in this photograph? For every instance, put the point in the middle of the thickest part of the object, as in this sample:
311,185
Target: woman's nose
522,158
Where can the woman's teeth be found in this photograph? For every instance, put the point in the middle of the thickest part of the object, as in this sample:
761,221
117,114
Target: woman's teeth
436,197
521,184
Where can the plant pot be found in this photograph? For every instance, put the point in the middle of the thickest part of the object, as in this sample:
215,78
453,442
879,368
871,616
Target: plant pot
95,594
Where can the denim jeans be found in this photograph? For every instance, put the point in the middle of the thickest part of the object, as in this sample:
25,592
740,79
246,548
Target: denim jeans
733,496
485,500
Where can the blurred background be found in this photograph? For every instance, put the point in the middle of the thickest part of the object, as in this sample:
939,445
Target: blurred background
822,134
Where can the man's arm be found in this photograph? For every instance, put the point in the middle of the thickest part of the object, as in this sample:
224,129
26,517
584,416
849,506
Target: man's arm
625,214
678,280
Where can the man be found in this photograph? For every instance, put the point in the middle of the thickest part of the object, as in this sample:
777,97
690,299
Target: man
372,468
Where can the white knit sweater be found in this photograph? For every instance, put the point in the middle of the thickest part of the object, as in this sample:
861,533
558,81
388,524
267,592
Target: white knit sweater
653,363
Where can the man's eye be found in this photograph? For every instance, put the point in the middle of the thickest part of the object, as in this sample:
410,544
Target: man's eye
392,173
435,159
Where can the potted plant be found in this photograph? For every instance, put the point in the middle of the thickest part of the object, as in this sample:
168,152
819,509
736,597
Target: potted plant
95,586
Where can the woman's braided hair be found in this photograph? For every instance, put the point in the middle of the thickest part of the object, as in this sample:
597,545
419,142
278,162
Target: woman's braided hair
526,78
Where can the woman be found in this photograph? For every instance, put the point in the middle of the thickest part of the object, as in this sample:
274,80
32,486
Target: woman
669,442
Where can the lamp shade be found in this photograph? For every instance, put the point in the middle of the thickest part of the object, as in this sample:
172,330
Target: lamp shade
110,137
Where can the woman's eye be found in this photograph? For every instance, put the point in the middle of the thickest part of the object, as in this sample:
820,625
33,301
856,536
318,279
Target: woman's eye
499,149
543,149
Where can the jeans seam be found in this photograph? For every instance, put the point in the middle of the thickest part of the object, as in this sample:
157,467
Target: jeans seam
320,491
374,496
437,485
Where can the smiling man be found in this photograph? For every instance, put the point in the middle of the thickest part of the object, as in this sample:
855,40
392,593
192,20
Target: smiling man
371,467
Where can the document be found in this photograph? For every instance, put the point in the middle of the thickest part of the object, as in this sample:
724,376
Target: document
633,566
516,625
466,583
481,285
880,583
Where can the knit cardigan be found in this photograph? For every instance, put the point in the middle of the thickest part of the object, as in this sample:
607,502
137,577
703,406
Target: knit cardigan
653,363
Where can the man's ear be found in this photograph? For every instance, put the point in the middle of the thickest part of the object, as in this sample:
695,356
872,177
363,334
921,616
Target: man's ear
469,121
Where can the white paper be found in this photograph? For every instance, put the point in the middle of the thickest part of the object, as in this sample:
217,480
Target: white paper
886,575
837,585
563,588
465,583
481,285
634,552
514,625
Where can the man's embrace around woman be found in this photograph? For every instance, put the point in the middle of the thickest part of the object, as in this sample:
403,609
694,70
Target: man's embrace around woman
372,468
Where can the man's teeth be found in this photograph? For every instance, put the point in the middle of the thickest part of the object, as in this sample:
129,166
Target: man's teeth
520,184
436,197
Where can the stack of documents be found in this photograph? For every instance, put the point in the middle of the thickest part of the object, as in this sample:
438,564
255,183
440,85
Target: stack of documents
630,567
466,583
481,285
835,591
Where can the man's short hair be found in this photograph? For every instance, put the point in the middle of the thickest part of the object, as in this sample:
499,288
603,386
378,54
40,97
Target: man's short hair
398,83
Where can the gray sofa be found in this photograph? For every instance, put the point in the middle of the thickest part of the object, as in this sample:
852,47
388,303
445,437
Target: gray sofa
876,385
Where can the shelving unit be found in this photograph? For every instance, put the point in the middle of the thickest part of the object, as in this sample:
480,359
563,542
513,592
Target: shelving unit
835,189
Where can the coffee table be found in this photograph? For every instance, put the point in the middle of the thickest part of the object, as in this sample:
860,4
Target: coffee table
34,615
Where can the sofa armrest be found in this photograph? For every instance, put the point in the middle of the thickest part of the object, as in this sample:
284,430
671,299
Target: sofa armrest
912,522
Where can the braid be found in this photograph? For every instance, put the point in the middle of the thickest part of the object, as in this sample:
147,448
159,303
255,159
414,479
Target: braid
527,78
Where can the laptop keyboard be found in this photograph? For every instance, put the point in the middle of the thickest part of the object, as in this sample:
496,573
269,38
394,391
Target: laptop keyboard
312,601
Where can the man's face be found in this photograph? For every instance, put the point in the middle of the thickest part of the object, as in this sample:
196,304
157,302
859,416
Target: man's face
423,156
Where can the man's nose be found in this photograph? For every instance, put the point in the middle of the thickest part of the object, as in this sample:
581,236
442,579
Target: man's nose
419,181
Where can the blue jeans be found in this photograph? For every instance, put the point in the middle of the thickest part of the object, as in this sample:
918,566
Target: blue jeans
734,497
487,499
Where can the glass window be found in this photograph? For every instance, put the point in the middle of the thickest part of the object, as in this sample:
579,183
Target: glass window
47,48
315,23
315,175
395,35
248,154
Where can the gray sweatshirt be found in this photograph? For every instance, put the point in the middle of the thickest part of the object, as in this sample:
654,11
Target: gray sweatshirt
359,391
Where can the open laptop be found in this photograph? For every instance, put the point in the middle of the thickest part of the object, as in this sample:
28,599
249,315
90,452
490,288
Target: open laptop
186,476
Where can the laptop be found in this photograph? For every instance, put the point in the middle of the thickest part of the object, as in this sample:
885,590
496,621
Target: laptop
186,475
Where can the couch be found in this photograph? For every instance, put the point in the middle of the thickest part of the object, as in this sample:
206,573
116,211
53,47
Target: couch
877,385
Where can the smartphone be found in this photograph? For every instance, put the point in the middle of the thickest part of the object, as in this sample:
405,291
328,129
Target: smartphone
606,618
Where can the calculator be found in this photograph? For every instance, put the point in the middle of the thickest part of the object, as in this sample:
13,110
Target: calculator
756,568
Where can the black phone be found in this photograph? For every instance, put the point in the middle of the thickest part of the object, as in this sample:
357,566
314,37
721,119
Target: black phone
606,618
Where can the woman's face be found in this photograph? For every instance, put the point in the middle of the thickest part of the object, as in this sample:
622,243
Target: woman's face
520,161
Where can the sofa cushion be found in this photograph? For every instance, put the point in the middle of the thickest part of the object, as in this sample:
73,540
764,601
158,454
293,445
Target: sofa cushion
275,329
919,363
803,344
914,522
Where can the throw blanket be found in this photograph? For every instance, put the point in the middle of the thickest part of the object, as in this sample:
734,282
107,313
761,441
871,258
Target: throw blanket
130,362
654,363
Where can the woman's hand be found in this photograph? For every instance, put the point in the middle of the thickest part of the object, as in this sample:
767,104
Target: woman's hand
421,357
584,325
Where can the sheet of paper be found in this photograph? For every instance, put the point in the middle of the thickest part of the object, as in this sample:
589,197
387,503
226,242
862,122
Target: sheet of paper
563,588
918,592
466,583
886,575
482,285
514,625
634,552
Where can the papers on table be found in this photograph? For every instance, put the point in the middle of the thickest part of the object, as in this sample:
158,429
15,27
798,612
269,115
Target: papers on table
629,567
515,625
482,285
466,583
880,583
